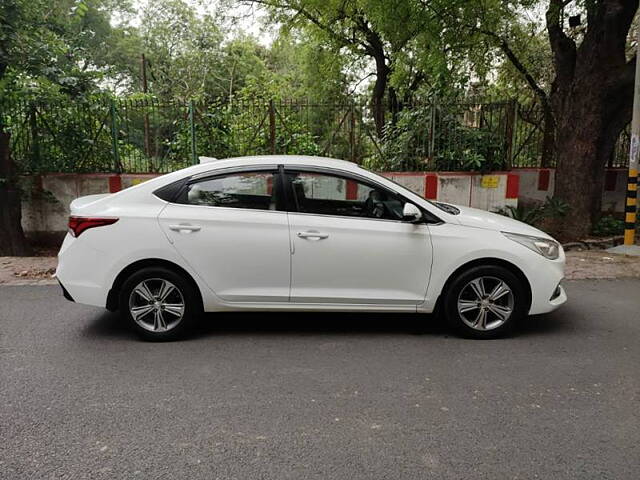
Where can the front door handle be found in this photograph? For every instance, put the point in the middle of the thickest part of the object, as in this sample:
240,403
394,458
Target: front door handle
185,228
313,234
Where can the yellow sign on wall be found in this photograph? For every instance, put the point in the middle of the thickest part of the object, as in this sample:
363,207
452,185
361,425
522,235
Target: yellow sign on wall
138,181
489,181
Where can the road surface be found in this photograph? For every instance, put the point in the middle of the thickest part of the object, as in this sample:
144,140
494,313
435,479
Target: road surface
320,396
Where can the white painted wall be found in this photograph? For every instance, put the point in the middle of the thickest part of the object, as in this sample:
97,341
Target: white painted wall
46,205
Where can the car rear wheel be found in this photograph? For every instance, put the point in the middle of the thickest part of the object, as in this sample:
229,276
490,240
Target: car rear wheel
158,303
485,302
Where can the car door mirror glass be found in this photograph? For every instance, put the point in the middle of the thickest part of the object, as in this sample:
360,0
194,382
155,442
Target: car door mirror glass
411,213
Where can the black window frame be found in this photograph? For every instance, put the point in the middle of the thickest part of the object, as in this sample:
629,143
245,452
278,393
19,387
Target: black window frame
283,189
292,207
173,191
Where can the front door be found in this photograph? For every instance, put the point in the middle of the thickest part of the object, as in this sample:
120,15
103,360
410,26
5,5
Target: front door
231,232
350,244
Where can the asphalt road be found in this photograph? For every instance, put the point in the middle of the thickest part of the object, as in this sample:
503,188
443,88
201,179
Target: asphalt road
294,396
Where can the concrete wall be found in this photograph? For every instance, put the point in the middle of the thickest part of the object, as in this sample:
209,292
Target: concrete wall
538,184
489,192
46,205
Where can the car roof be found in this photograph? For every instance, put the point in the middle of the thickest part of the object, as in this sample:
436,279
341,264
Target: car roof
307,160
211,165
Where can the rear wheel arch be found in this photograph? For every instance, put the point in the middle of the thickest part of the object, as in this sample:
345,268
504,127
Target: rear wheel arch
489,261
114,293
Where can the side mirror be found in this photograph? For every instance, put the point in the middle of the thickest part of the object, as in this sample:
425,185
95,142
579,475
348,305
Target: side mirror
411,213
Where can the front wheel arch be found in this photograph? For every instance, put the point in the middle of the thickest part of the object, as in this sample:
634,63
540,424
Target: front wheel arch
114,294
482,262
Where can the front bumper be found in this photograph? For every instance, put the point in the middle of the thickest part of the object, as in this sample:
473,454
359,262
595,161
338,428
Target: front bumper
547,290
65,293
558,298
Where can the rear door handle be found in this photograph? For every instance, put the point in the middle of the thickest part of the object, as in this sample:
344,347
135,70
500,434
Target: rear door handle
184,228
313,234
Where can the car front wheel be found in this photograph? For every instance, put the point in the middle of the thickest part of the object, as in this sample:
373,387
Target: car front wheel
159,303
485,302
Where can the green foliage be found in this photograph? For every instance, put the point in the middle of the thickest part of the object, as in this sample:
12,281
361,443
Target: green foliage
436,137
555,207
472,149
533,215
608,226
68,58
59,48
530,215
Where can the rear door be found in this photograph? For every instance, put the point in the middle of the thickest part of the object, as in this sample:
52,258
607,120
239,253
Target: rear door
231,230
350,244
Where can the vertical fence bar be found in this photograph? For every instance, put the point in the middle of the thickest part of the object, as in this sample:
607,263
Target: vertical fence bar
514,135
352,134
432,140
35,137
272,127
509,133
192,133
114,135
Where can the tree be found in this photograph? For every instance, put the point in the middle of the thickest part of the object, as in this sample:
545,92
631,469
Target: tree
589,99
44,46
14,14
183,49
365,29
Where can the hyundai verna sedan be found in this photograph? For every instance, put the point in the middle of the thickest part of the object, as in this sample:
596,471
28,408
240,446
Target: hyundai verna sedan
301,233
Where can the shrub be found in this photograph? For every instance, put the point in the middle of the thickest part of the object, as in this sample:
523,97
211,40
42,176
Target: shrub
608,226
551,208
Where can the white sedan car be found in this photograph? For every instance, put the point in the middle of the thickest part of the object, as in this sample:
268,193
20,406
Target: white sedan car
301,233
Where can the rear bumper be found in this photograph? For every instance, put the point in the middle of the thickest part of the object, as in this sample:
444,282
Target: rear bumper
81,272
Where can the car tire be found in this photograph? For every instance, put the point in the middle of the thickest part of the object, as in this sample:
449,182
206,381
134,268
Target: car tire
485,302
158,303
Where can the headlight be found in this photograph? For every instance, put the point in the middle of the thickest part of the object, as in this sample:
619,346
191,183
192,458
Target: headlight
547,248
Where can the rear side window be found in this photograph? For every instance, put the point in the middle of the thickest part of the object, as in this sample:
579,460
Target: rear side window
252,190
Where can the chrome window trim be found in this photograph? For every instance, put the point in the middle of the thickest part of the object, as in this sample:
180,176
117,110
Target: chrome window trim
233,209
359,218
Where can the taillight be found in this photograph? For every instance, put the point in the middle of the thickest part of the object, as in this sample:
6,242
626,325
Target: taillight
77,225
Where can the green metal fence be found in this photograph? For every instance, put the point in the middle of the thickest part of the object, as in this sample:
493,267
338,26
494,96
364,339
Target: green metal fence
151,135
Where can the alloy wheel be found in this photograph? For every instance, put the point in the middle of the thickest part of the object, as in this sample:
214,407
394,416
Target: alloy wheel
156,305
485,303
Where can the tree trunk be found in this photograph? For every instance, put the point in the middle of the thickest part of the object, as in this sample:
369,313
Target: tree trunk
589,119
12,239
394,105
377,95
548,138
591,98
579,178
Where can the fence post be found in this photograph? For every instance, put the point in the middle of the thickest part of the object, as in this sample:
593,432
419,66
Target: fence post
432,140
35,137
114,135
272,127
192,132
514,136
352,133
510,133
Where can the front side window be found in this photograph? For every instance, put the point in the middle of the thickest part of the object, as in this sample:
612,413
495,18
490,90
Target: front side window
253,190
327,194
